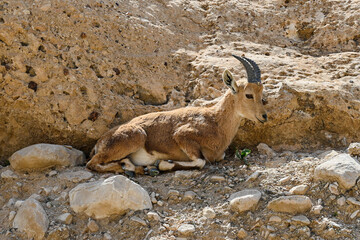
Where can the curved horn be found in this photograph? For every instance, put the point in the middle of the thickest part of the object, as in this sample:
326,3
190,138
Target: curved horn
256,69
252,70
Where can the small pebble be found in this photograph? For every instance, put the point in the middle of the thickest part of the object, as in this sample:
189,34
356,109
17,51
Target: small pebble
186,229
12,215
341,201
242,233
92,226
209,213
65,218
275,219
284,180
217,178
354,214
189,195
153,216
138,220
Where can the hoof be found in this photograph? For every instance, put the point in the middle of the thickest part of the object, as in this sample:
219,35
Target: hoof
153,172
130,173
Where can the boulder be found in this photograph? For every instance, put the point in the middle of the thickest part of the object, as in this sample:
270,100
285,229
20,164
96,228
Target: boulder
290,204
32,219
244,200
43,156
112,196
341,168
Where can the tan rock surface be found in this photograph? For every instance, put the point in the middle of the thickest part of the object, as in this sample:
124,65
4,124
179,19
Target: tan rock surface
71,70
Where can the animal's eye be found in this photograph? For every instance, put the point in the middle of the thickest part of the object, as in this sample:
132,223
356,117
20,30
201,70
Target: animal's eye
264,101
249,96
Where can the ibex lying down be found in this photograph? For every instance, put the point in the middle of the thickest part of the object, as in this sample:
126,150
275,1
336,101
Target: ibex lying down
187,136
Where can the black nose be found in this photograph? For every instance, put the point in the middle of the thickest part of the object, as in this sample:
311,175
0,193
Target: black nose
265,116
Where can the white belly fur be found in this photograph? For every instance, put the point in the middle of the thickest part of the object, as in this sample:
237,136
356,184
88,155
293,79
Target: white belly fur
143,158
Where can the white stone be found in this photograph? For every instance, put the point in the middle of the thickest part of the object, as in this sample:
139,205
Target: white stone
18,203
354,214
52,173
333,188
275,219
189,195
342,168
216,178
317,209
354,149
341,201
264,149
77,176
112,196
65,218
138,220
353,201
31,219
12,215
299,190
153,216
209,213
173,193
8,174
300,220
253,176
244,200
290,204
42,156
284,179
186,229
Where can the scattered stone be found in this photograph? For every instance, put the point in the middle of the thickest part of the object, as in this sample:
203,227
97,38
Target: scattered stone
189,195
244,200
153,216
353,201
354,214
181,175
92,226
284,179
317,209
209,213
138,220
217,179
11,215
153,197
253,176
46,190
114,195
42,156
275,219
173,194
354,149
342,168
18,203
299,190
291,204
8,174
264,149
31,219
186,229
300,220
65,218
341,201
52,173
107,236
77,176
242,234
333,188
160,203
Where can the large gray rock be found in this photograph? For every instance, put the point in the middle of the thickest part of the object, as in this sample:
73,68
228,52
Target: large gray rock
341,168
290,204
32,219
42,156
112,196
244,200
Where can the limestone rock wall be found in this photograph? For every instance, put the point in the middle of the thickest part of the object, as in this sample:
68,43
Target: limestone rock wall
71,70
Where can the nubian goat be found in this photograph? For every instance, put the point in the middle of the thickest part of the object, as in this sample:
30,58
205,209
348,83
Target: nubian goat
183,138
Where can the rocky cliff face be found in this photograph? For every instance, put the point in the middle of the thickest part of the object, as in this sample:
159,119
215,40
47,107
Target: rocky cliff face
71,70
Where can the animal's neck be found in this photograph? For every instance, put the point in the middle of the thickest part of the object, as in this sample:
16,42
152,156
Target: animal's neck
227,118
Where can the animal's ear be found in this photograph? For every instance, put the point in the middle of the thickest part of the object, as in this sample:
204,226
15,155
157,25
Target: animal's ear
229,81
